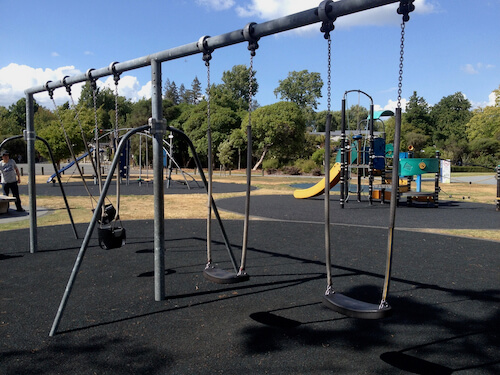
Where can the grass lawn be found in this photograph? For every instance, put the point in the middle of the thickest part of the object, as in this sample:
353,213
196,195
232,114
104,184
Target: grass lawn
194,206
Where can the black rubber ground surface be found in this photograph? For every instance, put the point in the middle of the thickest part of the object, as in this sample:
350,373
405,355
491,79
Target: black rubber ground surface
445,295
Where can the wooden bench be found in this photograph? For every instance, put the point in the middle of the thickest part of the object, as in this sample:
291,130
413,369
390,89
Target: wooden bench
4,203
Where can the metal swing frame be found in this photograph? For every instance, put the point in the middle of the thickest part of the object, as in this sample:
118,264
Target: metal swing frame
157,123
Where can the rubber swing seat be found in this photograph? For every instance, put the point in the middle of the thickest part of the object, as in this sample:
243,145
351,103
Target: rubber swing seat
221,276
355,308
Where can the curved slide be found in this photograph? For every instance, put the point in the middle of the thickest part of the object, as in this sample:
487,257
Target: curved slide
319,188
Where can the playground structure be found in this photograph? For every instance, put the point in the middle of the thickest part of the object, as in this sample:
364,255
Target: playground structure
327,12
370,157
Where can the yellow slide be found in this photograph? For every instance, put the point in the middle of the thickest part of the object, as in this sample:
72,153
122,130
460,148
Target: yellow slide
319,188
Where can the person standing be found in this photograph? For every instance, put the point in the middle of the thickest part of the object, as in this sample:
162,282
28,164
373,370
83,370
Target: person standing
10,178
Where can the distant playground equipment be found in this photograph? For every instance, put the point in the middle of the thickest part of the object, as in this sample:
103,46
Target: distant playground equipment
371,157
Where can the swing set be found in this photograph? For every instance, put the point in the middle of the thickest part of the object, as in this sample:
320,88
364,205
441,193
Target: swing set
327,12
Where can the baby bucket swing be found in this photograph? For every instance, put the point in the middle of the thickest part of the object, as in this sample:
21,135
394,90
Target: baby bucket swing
110,233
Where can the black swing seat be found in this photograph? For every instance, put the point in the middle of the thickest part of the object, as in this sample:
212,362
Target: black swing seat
221,276
111,237
354,308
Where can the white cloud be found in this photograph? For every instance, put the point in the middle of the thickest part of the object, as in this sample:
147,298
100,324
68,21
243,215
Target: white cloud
54,54
469,69
491,102
477,68
129,87
391,105
217,4
15,79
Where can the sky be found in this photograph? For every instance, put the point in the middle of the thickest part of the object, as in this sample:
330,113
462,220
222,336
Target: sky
450,46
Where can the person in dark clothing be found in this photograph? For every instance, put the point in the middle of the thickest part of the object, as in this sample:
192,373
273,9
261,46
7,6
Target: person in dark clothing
10,178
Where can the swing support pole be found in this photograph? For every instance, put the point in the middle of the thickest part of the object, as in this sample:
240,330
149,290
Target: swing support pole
90,229
158,130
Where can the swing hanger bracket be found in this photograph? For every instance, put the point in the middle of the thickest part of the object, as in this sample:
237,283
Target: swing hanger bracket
157,126
327,25
203,47
66,85
93,81
116,75
49,90
248,32
405,8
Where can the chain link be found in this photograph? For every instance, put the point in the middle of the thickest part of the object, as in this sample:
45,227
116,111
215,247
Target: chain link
401,59
250,86
207,63
329,78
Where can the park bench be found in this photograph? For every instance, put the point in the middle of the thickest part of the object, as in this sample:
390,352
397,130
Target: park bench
4,203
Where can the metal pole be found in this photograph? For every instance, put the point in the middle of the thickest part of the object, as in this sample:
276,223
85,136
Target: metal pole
158,129
394,198
30,153
327,200
343,156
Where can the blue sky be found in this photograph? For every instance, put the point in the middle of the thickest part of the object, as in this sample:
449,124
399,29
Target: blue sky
451,46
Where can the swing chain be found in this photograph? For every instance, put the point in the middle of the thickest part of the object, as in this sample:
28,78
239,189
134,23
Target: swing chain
401,59
405,7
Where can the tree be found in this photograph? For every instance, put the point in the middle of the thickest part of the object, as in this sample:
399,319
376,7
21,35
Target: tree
237,85
238,141
450,117
320,121
49,127
417,116
302,88
225,153
171,92
485,122
278,131
356,117
196,90
222,121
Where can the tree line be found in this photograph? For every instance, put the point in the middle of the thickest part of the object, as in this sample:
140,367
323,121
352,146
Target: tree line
281,131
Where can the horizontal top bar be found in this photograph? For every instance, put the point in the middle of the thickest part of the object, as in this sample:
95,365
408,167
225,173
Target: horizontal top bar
293,21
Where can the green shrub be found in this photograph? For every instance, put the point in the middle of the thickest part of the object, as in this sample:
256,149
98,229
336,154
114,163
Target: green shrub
270,164
318,156
305,165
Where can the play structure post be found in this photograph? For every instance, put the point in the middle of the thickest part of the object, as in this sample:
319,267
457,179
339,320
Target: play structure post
371,156
436,181
158,130
498,187
30,137
343,156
